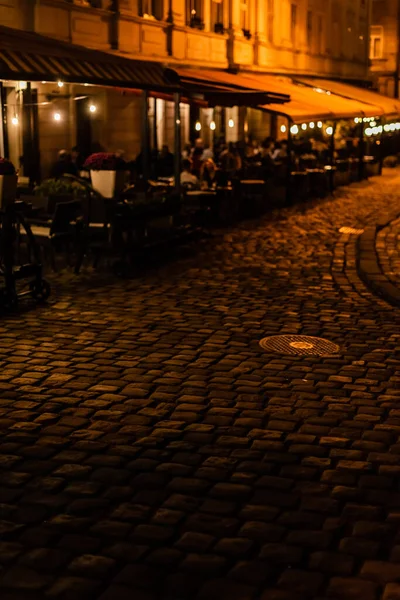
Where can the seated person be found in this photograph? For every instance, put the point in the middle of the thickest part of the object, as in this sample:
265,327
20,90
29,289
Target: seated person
208,173
187,177
63,165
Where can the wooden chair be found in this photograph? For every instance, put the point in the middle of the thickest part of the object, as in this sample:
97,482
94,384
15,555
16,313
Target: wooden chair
61,232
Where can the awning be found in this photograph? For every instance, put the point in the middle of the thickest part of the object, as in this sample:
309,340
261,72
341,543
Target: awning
309,103
33,57
382,104
220,88
305,103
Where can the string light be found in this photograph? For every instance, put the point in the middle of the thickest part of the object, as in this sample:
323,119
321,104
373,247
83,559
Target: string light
312,125
231,123
57,116
304,126
283,128
212,125
329,130
319,124
198,126
294,129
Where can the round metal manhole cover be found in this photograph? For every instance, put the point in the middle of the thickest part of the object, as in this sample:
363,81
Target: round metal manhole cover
299,344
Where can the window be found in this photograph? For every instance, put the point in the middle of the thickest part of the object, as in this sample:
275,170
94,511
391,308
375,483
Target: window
376,42
293,22
270,23
309,28
194,13
217,16
151,8
244,15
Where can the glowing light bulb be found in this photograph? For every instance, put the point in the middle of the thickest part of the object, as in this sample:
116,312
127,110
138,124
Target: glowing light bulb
294,129
283,128
312,125
329,130
212,126
319,124
92,108
15,120
198,126
60,84
231,123
57,116
304,126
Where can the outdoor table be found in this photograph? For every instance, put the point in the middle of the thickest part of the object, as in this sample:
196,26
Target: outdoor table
300,185
202,201
330,171
371,166
317,181
227,204
252,196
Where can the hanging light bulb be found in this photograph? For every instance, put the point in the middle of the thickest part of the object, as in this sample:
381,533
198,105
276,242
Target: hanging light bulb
294,129
304,126
212,126
198,126
60,84
312,125
57,116
319,124
231,123
329,130
92,108
15,120
283,128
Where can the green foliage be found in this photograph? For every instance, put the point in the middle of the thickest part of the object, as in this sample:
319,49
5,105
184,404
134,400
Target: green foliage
59,187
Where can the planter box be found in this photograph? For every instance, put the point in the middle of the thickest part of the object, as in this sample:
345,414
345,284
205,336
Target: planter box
8,189
108,183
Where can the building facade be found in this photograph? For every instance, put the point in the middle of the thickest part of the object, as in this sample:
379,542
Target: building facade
328,38
385,46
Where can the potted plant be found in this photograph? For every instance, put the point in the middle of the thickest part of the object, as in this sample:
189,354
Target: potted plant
54,191
107,172
8,182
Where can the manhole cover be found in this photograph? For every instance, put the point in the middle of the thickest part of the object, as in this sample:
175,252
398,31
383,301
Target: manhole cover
351,230
299,344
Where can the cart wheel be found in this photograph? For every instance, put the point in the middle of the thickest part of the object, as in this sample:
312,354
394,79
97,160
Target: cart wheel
8,300
40,290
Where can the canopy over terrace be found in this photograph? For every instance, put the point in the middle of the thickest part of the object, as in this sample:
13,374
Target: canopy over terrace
305,104
389,107
33,57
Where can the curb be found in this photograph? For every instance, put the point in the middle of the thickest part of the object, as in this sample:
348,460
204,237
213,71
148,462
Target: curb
368,266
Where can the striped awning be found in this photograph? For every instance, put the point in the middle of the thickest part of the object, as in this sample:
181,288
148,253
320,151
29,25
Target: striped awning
33,57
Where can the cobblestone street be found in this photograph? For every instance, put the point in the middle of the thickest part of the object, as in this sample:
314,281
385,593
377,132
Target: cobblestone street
151,450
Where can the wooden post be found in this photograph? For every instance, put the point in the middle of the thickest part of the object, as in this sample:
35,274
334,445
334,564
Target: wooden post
289,165
177,141
3,149
29,159
145,136
155,132
332,159
361,152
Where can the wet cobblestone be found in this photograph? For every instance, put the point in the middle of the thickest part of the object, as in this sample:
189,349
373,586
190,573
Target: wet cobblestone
150,449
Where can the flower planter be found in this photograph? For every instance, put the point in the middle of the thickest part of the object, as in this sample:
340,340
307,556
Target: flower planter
108,183
8,189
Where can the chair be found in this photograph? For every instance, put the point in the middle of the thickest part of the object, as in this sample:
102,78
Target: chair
61,231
